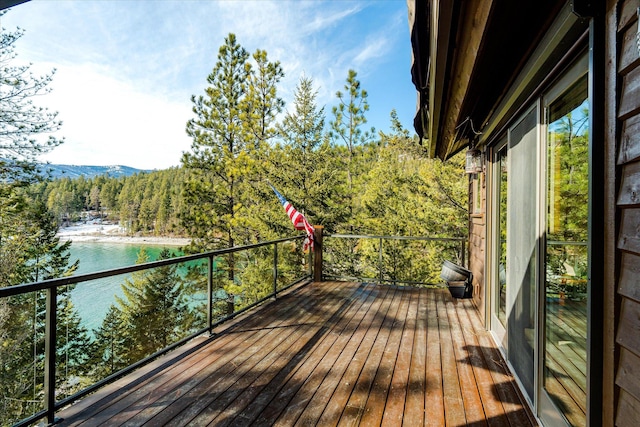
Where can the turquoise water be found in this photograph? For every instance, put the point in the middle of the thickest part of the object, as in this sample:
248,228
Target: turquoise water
92,299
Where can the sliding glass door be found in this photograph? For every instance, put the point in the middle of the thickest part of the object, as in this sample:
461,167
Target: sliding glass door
564,376
539,255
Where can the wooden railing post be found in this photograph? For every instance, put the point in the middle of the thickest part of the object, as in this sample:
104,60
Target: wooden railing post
317,253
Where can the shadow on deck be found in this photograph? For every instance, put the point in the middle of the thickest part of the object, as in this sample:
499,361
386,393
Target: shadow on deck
331,353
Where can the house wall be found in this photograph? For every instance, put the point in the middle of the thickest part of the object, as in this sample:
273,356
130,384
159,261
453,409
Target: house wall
627,135
477,234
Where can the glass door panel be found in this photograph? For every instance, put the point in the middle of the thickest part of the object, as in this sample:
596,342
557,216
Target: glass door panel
566,268
500,294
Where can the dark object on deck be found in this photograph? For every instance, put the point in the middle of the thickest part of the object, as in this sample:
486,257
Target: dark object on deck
459,280
460,289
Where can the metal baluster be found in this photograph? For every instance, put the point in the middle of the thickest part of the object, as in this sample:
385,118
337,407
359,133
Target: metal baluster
380,260
210,294
50,354
275,270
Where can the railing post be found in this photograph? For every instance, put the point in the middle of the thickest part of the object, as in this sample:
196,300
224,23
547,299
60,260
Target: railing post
463,253
50,354
275,270
317,253
210,294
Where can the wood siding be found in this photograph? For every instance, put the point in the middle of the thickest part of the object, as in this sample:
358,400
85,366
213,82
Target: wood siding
627,347
477,233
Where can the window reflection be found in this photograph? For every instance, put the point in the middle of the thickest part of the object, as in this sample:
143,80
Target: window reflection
566,265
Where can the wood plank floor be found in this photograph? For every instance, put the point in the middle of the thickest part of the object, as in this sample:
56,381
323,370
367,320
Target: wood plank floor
566,357
327,354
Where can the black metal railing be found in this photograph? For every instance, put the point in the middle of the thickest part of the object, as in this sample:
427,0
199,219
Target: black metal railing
218,274
287,268
409,260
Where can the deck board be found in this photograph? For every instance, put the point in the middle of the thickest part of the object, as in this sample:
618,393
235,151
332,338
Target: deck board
326,354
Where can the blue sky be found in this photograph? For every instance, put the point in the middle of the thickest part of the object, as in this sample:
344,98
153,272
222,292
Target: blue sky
126,70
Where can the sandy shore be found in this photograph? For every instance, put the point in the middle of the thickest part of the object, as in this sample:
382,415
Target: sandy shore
112,233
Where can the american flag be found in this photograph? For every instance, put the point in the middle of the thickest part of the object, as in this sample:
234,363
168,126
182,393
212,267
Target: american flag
298,220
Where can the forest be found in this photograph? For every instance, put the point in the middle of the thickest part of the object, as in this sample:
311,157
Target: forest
338,173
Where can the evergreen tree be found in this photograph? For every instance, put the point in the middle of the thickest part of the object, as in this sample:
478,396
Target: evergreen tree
21,121
154,312
304,168
108,352
262,103
408,195
29,250
234,121
72,348
346,129
219,156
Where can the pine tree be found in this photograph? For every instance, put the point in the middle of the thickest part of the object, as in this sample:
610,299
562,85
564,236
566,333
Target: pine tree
21,120
346,129
72,348
234,122
154,312
108,352
31,252
262,103
304,168
219,157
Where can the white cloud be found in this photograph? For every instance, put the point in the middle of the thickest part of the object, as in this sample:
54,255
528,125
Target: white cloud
107,121
127,69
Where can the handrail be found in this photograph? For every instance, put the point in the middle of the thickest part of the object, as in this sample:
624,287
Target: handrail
425,238
389,277
70,280
51,286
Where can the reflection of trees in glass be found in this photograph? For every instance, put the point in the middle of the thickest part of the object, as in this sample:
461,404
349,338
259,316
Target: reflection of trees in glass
566,251
568,178
502,232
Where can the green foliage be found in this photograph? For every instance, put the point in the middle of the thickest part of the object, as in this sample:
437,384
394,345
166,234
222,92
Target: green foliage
152,314
29,248
221,155
21,121
304,166
405,195
108,353
346,129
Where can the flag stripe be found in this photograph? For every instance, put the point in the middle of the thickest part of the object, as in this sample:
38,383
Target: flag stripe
298,220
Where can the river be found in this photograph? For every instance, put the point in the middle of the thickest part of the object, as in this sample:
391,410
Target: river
92,299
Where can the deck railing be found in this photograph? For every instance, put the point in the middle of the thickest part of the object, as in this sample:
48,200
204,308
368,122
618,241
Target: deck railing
215,282
215,302
408,260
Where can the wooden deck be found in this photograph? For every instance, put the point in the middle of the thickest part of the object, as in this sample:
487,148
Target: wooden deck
331,353
566,358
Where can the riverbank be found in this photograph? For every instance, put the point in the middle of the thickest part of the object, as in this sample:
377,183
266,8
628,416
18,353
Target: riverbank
100,232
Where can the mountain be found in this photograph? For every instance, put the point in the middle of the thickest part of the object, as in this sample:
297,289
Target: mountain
75,171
